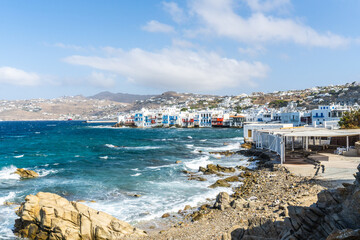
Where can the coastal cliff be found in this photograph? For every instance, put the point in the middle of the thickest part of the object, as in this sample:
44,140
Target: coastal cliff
49,216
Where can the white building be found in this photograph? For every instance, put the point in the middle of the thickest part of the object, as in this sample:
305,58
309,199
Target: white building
327,115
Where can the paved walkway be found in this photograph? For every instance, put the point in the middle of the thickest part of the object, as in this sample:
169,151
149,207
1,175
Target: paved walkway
338,169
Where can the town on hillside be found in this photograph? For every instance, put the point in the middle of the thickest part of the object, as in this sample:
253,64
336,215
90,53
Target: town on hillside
317,107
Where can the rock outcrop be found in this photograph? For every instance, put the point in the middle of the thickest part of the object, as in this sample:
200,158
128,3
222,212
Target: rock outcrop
215,169
24,173
50,216
336,209
335,215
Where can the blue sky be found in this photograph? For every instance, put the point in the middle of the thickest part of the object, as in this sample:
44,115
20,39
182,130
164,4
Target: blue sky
227,47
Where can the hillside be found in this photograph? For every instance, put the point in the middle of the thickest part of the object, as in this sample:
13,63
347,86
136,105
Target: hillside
120,97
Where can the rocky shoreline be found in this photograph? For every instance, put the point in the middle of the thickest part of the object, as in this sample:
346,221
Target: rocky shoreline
271,203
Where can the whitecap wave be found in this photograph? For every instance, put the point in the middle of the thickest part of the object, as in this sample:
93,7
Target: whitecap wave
104,157
229,147
45,172
143,147
110,146
199,162
19,156
4,199
189,137
136,174
8,173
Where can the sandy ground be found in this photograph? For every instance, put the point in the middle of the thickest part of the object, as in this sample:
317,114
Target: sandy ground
338,168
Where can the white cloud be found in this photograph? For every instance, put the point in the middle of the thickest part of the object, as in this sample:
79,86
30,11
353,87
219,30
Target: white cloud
18,77
175,11
98,79
155,26
268,5
220,18
252,51
69,46
182,43
177,69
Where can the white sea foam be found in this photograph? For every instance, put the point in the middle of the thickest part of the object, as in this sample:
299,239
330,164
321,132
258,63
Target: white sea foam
37,132
203,140
7,218
55,164
189,145
143,147
110,146
8,173
189,137
135,169
136,174
10,196
19,156
45,172
104,157
198,162
233,146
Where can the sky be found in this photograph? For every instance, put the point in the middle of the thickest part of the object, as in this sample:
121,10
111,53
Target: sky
50,49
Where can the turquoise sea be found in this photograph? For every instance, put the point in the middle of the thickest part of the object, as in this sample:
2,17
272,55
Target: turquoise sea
109,165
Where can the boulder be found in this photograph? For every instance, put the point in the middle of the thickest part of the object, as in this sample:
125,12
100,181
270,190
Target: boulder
232,179
24,173
246,145
50,216
220,183
215,169
222,201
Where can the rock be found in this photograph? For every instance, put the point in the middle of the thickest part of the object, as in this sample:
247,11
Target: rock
49,216
178,161
222,201
24,173
197,178
246,145
165,215
220,183
187,207
232,179
344,234
242,168
215,169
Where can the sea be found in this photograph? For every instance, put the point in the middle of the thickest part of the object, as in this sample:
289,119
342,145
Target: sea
105,166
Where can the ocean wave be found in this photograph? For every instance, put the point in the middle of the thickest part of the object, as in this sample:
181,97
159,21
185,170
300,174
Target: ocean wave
189,137
136,174
10,196
8,173
132,148
19,156
143,147
45,172
7,218
110,146
203,140
229,147
199,162
104,157
189,145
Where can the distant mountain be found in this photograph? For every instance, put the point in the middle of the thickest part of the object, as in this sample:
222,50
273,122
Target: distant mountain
120,97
